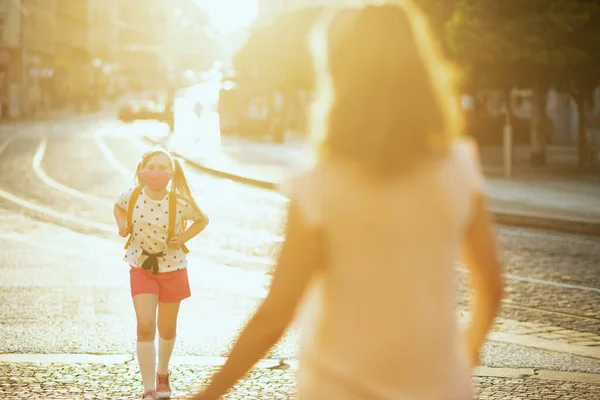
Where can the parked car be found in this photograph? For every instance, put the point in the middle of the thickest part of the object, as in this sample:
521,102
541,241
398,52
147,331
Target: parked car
142,110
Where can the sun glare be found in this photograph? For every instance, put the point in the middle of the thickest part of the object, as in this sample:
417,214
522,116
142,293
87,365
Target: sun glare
229,15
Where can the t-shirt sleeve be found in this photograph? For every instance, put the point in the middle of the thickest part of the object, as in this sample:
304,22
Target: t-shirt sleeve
302,188
122,199
190,212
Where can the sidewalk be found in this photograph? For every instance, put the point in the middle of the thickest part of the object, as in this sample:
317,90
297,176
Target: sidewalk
118,379
566,205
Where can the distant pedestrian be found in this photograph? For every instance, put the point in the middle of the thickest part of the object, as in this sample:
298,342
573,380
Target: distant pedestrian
153,215
376,225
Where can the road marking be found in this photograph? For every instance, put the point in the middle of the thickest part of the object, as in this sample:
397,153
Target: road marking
56,214
67,250
6,143
110,156
544,344
39,171
227,254
543,310
543,282
551,283
37,160
48,211
561,237
107,228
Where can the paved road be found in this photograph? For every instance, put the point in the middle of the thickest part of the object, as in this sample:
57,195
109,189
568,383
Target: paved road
64,288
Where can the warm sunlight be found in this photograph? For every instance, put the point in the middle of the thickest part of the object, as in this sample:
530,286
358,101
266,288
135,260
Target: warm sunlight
229,15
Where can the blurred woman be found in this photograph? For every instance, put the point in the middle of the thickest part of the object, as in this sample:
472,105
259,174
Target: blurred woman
375,227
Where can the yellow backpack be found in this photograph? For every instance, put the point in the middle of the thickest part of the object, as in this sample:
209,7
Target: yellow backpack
172,215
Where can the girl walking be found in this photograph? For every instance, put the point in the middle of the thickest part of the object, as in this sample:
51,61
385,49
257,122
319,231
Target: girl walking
154,215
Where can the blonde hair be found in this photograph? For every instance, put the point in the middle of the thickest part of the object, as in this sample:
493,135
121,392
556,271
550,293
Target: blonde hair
385,98
179,183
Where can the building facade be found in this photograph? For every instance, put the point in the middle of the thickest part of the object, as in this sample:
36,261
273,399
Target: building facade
10,58
103,44
72,72
141,40
186,47
38,55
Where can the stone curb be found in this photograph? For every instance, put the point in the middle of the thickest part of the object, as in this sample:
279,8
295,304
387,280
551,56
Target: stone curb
544,344
572,226
503,218
202,361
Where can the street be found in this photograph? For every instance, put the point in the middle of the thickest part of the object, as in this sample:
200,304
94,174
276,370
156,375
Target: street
64,290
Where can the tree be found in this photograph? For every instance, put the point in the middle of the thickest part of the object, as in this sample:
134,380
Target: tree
277,59
438,13
535,44
582,74
278,54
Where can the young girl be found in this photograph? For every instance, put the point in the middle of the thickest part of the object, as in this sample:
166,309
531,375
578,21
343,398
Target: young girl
154,216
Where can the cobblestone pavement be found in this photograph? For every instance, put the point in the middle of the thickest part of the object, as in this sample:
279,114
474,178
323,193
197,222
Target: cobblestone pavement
121,381
64,288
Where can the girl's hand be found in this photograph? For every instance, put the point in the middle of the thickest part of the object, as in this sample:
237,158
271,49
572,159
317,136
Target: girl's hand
124,231
175,242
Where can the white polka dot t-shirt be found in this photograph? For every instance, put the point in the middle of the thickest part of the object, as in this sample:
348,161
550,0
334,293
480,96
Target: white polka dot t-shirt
150,229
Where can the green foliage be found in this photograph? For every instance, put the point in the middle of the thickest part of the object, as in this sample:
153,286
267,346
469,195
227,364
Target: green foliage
526,43
534,44
439,13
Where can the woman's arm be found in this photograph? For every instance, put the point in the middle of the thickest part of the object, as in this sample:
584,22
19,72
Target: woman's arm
300,257
482,260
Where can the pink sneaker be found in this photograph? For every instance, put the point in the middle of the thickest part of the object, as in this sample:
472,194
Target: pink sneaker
150,395
163,387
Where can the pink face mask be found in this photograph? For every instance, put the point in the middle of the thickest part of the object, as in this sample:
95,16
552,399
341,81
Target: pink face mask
155,180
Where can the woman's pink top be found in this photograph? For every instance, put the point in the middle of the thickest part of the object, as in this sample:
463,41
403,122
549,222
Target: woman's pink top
381,322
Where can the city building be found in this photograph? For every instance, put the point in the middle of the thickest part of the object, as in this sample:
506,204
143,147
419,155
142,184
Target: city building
185,46
39,41
72,73
142,38
10,58
103,45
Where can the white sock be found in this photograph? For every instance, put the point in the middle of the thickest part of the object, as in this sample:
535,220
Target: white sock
165,349
146,355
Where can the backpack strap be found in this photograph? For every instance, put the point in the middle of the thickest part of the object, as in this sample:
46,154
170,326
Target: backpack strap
173,218
135,194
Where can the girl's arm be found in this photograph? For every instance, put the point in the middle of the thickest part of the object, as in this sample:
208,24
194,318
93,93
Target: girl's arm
300,257
121,219
120,216
194,229
120,210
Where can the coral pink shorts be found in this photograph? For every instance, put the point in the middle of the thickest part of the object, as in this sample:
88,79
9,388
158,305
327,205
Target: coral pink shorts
170,287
